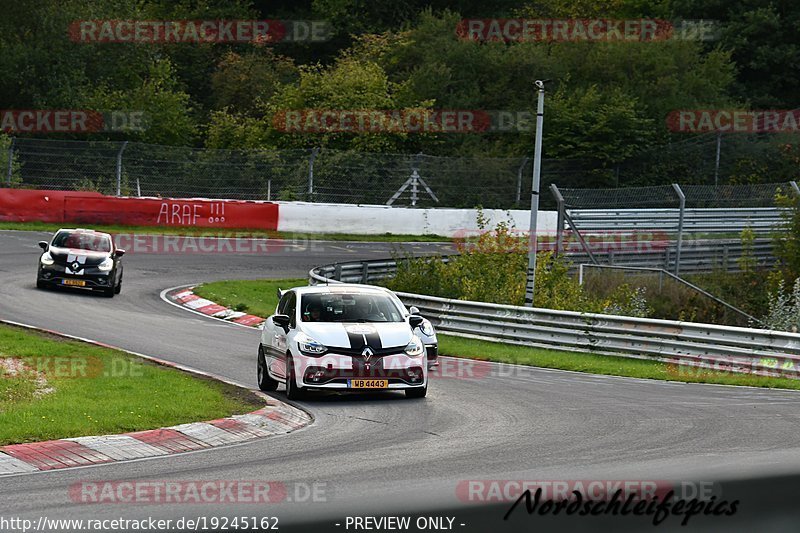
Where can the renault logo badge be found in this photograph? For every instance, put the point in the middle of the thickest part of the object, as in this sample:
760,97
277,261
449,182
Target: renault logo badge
367,353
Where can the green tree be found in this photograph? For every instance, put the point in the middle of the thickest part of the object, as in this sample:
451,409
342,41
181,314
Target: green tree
5,145
765,45
166,110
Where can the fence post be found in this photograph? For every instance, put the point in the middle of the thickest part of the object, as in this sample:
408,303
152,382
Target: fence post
560,222
682,198
119,168
11,160
269,190
314,153
519,178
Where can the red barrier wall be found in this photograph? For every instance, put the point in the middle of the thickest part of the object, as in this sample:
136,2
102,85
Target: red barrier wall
22,205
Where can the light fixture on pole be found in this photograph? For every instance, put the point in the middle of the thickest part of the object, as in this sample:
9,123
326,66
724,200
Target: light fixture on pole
537,170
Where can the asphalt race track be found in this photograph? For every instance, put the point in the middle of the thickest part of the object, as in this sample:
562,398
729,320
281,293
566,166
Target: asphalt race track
383,453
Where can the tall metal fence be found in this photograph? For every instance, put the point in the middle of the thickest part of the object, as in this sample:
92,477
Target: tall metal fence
320,175
324,175
684,220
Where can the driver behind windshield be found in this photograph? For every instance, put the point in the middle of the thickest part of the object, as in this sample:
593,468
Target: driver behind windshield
313,312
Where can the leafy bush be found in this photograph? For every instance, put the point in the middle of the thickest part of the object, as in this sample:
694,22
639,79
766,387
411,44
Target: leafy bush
784,309
492,268
787,241
15,181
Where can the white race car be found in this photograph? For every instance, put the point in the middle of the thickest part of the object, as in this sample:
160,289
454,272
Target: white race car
343,337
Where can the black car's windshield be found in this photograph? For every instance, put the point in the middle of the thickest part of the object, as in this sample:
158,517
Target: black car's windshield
349,307
78,240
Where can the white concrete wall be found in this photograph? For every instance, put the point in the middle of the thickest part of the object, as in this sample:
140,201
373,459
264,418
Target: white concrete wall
377,219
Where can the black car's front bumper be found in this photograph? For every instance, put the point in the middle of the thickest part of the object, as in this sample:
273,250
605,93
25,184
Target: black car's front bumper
92,278
432,354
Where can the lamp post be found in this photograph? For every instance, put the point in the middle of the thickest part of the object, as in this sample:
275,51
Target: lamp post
537,170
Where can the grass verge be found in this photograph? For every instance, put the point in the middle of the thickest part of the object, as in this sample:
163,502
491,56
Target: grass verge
210,232
259,297
600,364
52,388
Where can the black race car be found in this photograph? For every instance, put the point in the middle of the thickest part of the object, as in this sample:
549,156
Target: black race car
81,258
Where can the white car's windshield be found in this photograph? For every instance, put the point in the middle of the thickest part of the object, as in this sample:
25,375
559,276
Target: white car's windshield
82,241
349,307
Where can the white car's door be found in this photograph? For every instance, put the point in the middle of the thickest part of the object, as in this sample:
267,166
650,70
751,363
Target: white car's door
279,337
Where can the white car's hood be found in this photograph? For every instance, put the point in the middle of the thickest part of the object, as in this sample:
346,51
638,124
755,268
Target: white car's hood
352,335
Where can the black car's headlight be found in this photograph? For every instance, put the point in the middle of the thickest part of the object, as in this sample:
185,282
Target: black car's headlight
47,259
309,346
106,265
415,348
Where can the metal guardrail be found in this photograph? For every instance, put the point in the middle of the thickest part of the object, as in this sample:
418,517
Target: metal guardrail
696,257
706,220
746,350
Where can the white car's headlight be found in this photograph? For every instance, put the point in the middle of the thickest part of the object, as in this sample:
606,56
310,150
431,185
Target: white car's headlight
415,347
47,259
427,328
106,265
309,346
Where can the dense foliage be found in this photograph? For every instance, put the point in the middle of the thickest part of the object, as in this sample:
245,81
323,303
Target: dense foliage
607,102
492,267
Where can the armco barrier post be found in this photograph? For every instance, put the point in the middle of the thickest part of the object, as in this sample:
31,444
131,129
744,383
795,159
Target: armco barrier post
682,198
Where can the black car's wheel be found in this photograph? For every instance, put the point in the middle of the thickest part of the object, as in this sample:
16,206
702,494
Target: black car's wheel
419,392
265,382
40,284
118,288
109,292
293,392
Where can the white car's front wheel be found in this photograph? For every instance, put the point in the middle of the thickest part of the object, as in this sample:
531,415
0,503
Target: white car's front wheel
293,392
265,382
